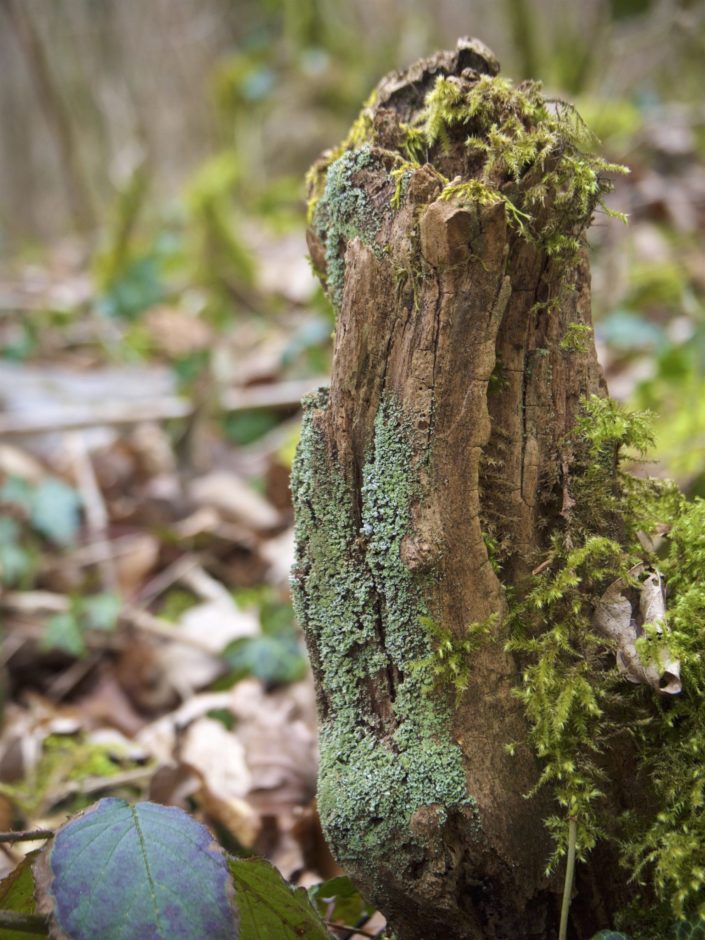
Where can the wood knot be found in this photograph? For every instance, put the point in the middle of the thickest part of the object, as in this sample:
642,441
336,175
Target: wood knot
417,554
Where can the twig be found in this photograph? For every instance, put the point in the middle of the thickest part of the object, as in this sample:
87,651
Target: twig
98,415
36,602
94,553
90,785
96,513
546,563
26,835
352,931
24,923
162,629
167,577
279,395
67,681
96,784
569,872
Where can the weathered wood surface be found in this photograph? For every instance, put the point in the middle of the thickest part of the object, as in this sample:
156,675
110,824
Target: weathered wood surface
449,341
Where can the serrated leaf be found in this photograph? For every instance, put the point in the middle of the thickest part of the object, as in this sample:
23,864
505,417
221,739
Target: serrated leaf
118,872
270,909
17,895
55,511
339,900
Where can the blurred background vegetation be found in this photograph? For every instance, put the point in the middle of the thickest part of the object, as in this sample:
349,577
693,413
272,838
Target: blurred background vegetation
153,262
157,150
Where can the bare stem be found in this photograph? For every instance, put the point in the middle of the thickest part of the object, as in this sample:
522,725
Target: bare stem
28,835
569,872
352,931
23,923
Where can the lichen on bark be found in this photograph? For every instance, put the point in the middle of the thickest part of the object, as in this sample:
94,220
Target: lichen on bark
362,608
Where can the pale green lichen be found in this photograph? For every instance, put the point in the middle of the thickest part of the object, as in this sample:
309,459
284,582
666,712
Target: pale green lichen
342,213
361,609
358,136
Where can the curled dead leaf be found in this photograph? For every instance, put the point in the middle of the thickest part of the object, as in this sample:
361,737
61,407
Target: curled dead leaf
623,613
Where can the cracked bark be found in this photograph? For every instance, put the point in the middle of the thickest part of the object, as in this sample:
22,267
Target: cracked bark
451,320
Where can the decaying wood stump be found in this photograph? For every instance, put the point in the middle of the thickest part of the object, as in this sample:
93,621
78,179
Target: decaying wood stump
448,231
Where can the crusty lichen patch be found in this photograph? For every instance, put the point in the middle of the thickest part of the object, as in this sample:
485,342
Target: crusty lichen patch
361,610
343,212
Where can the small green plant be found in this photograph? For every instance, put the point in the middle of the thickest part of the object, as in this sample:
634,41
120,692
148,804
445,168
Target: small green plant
577,338
451,662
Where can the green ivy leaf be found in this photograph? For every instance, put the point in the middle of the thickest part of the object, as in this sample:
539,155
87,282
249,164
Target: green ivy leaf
17,492
64,632
100,611
693,929
610,935
270,909
273,659
56,511
119,872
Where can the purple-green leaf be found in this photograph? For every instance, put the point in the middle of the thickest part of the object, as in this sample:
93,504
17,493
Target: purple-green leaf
120,871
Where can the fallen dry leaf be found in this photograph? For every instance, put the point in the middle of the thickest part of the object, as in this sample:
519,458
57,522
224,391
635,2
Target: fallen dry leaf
215,623
621,614
235,500
131,568
218,757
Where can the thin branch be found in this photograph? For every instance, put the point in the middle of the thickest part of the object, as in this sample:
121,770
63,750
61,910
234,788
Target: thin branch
279,395
27,835
145,622
24,923
97,518
351,931
37,602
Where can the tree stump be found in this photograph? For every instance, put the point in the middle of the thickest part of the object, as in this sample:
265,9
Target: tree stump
448,231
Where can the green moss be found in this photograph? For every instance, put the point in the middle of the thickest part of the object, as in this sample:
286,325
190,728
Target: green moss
567,681
671,847
361,610
451,664
576,701
528,154
66,761
533,155
577,338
